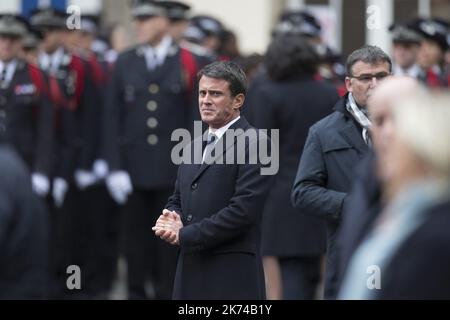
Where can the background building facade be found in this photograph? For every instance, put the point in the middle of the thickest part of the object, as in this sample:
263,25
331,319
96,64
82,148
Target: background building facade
347,24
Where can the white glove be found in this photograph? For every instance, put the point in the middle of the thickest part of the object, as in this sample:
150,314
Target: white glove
100,168
60,188
84,179
40,184
119,186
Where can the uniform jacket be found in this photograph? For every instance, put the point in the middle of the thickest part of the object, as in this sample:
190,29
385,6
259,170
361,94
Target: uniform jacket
74,98
143,109
26,114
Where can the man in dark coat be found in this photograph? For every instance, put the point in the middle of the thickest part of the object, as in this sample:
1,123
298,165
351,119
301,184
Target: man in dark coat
365,201
23,232
214,215
335,145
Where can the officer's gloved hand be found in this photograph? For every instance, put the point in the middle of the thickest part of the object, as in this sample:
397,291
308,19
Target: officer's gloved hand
84,179
60,188
100,168
119,186
40,184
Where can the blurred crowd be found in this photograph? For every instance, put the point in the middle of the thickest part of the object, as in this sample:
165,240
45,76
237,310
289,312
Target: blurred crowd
85,153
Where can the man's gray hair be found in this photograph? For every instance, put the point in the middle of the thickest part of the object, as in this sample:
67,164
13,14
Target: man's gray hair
367,54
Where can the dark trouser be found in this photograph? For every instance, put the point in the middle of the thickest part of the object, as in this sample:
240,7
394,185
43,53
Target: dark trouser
85,234
148,257
71,232
102,253
300,277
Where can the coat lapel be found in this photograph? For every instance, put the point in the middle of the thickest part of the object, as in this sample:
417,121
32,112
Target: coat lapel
350,132
353,137
141,64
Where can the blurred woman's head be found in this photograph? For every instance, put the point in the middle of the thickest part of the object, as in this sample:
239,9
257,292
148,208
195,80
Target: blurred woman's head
420,146
380,106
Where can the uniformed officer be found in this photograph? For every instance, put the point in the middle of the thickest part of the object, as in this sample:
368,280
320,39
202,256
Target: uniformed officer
150,96
74,98
406,47
203,36
73,94
430,57
103,212
178,16
25,108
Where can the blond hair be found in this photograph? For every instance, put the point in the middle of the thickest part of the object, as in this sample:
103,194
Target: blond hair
423,122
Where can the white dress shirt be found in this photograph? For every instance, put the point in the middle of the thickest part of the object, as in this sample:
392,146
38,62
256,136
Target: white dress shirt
10,68
155,56
51,62
413,71
219,133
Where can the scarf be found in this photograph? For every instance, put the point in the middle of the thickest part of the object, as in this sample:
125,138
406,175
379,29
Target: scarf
361,116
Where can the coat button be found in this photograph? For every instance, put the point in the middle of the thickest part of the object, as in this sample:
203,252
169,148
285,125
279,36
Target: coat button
153,88
152,123
194,186
152,106
189,218
152,139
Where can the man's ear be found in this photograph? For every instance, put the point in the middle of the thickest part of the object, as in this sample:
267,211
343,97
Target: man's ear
348,84
238,101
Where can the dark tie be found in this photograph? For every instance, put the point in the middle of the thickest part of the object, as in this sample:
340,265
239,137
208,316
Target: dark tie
210,142
3,73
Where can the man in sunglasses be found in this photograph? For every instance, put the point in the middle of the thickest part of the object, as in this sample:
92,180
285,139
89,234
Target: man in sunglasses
335,145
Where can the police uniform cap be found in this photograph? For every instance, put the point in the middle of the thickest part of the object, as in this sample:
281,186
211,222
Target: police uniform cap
148,8
12,25
208,25
432,29
176,10
298,22
48,18
402,34
194,34
89,24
